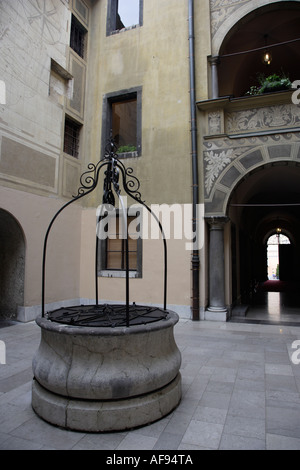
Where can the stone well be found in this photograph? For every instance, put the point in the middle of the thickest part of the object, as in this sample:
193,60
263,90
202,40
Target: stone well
106,367
101,379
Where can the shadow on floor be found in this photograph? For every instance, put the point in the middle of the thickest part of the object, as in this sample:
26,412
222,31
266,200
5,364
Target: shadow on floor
274,302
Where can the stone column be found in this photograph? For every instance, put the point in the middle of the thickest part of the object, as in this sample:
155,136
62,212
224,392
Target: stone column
214,61
217,309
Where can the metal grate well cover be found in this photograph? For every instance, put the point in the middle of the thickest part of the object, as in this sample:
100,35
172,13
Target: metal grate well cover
107,315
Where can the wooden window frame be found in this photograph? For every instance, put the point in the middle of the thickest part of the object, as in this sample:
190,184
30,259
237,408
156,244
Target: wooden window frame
122,95
105,271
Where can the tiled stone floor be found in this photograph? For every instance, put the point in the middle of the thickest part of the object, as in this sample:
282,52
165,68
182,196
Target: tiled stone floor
240,390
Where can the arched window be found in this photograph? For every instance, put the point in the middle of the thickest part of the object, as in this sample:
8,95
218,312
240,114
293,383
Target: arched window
273,28
273,243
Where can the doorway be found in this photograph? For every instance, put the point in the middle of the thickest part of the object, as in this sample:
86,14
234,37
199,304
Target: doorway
280,257
265,209
12,266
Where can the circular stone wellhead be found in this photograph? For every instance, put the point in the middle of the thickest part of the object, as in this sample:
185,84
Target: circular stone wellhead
98,379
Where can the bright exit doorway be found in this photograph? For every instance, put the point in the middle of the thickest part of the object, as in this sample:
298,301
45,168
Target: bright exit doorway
277,252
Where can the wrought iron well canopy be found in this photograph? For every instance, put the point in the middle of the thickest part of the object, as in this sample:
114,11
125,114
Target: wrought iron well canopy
108,315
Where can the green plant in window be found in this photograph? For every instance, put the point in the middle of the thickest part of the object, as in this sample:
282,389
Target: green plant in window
270,84
126,148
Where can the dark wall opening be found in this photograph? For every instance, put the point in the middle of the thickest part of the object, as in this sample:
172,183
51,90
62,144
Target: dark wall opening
12,266
266,200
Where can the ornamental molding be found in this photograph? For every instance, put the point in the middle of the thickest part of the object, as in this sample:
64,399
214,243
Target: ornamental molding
215,162
226,13
221,9
263,118
245,154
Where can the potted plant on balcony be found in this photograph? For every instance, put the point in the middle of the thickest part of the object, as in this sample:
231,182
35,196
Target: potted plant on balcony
270,84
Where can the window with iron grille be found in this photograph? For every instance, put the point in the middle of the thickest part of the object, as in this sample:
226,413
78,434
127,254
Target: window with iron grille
78,37
71,138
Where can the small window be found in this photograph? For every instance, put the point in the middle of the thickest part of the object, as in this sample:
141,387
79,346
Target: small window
71,137
124,130
112,252
128,13
124,14
116,249
78,37
122,121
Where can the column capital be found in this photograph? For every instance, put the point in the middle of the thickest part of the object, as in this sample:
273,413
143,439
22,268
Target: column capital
216,222
214,59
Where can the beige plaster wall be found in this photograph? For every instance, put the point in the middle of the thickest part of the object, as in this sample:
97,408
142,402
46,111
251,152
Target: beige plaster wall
34,214
149,289
153,57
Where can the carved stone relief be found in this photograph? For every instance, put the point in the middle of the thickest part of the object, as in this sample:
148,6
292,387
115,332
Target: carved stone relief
263,118
221,9
226,161
226,13
214,122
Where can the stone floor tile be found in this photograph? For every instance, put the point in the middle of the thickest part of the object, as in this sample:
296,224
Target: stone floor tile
192,447
276,442
200,433
13,443
278,369
235,442
168,441
37,430
102,441
251,372
277,357
283,421
247,384
247,404
210,415
282,398
281,383
9,383
134,441
247,427
178,423
220,387
215,400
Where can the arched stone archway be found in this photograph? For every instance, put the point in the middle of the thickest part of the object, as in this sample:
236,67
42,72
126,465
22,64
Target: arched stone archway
225,17
227,165
240,35
12,266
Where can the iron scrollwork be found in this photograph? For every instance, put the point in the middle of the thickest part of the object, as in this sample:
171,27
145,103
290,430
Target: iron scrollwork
115,171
